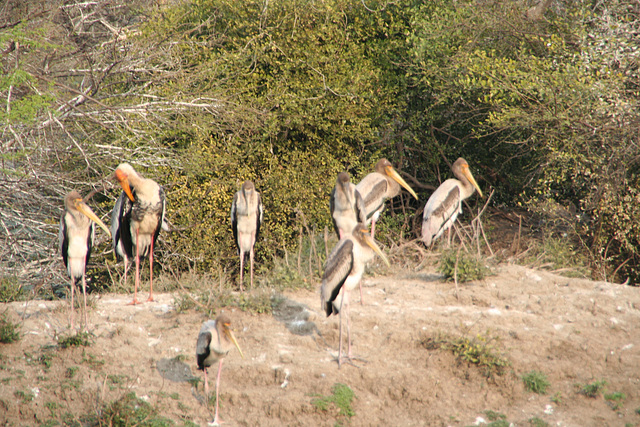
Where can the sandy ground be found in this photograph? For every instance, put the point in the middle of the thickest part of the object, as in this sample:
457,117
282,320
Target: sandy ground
573,330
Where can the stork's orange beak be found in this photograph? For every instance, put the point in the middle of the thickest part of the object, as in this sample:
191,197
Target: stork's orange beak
123,179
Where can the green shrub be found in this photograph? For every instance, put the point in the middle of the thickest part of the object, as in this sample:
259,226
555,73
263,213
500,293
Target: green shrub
536,382
460,266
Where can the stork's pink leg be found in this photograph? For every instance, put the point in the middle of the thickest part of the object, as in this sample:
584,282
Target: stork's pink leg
135,290
206,384
73,285
84,294
151,272
251,265
216,419
241,269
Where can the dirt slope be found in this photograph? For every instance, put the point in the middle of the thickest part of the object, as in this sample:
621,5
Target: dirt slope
575,331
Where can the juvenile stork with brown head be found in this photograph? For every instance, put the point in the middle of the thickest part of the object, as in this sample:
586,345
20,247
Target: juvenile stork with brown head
445,204
246,218
214,342
343,272
136,221
382,184
76,237
346,205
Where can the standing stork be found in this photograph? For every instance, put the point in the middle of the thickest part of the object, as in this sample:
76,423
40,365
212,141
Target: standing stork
378,186
445,203
214,342
76,236
343,271
346,205
136,221
246,219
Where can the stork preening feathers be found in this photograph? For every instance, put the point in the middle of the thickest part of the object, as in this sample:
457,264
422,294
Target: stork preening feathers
343,272
382,184
214,342
246,218
445,203
136,221
76,236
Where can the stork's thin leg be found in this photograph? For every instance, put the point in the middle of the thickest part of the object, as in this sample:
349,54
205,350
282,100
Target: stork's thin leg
241,268
126,268
340,333
361,295
73,285
84,294
349,355
216,419
151,272
206,384
135,290
251,265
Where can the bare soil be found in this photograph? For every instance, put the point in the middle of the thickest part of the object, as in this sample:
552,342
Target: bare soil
575,331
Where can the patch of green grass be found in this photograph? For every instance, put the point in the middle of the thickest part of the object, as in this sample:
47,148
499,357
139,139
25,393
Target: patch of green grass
26,397
130,410
460,266
637,411
557,398
615,399
9,331
71,371
494,416
593,389
478,351
537,422
77,340
10,289
183,303
536,382
91,360
52,407
341,397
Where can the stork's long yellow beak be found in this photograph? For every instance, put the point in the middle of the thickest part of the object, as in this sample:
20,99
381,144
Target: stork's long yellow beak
467,173
233,339
86,211
393,174
373,245
124,183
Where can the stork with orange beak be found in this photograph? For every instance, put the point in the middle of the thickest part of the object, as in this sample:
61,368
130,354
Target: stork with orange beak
136,221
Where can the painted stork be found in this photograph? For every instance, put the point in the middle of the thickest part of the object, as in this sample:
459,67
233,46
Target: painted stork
380,185
346,205
136,221
343,271
445,203
214,342
76,236
246,218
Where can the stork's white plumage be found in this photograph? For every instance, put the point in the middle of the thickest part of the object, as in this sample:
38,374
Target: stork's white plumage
382,184
76,237
343,272
246,218
445,204
136,220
